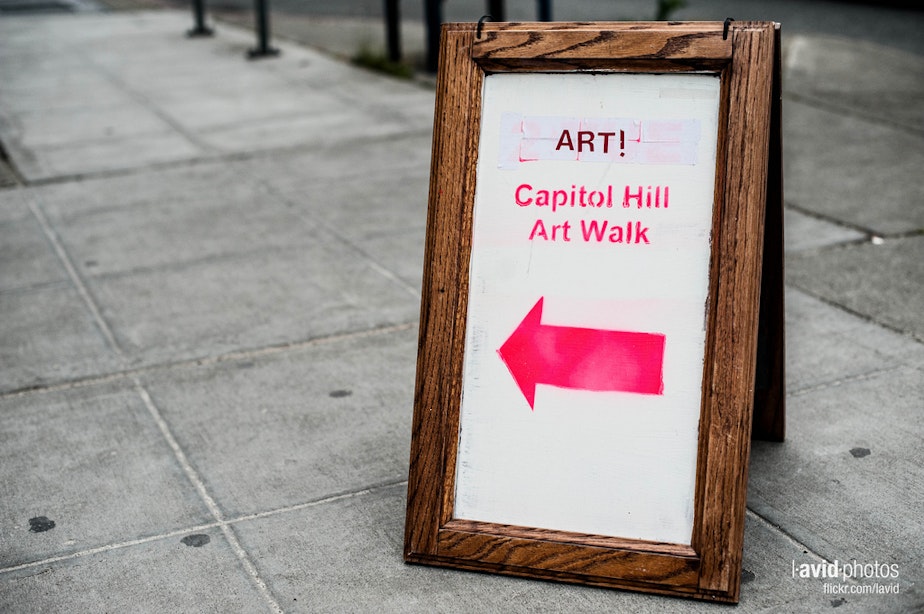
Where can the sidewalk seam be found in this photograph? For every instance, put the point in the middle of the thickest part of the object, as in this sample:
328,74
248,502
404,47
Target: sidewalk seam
854,313
332,230
204,526
155,413
109,547
831,107
52,236
204,361
215,157
767,523
846,380
143,100
193,476
795,206
906,234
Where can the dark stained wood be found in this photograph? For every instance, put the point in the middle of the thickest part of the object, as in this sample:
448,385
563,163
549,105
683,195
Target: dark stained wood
601,541
732,341
770,389
532,553
602,40
444,289
575,46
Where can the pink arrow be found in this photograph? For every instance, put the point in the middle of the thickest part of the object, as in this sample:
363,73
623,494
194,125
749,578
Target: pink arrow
582,358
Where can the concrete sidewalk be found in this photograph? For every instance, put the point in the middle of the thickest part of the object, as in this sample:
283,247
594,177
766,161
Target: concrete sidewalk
209,284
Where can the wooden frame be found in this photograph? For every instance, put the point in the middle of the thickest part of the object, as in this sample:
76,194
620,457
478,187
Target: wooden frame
710,567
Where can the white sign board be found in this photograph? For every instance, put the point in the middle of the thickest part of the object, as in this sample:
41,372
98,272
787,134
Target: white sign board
586,320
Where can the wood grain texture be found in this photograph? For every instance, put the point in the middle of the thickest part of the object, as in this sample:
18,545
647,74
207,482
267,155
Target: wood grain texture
711,568
531,553
601,541
738,240
601,46
444,292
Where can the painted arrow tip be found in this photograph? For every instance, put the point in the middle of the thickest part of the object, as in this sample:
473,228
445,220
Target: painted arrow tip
518,353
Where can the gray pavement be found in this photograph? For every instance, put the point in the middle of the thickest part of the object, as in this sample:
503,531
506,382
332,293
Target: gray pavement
209,282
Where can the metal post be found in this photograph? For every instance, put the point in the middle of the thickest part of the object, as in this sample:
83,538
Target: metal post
545,10
263,49
393,30
496,10
199,15
433,12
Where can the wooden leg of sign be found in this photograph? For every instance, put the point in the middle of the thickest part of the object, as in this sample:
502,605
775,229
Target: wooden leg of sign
770,388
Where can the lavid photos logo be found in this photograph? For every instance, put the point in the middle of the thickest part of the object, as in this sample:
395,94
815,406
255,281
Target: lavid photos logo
880,578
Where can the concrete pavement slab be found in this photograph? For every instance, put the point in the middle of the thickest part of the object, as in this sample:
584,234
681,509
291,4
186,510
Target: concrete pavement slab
49,336
184,71
345,556
278,430
41,126
98,469
881,84
178,99
297,174
166,256
768,583
200,216
161,575
54,33
14,205
46,88
25,47
826,345
230,104
847,483
857,172
367,207
53,128
804,232
298,130
385,99
212,307
25,260
102,156
884,282
381,218
63,201
400,253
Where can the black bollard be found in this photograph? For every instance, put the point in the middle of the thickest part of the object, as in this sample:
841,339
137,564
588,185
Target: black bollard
199,15
496,10
545,10
393,30
433,12
262,50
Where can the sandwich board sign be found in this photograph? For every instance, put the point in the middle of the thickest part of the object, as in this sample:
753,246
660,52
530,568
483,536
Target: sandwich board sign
603,275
